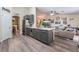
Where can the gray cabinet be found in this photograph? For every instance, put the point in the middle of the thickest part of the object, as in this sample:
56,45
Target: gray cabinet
30,19
36,34
45,36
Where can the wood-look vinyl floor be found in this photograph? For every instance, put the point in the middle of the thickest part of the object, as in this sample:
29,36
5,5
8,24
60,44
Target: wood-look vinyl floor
20,43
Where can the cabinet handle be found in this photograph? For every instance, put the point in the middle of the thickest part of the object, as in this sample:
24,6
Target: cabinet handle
31,30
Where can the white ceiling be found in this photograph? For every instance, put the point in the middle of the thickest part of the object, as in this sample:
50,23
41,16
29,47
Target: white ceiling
60,10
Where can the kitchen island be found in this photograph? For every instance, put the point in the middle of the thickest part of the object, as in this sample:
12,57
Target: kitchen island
44,35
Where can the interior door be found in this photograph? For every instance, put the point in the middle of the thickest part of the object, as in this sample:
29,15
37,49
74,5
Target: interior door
6,24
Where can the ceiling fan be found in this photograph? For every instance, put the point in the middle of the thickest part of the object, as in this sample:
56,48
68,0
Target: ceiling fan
54,13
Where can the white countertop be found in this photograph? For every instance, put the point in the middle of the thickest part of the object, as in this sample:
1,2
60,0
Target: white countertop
42,28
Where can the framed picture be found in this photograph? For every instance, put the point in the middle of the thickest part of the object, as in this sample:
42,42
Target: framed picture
58,18
71,19
64,20
57,21
52,21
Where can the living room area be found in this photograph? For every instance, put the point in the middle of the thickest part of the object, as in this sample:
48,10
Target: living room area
64,20
57,27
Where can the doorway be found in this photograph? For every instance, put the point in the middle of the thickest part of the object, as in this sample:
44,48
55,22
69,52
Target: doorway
15,25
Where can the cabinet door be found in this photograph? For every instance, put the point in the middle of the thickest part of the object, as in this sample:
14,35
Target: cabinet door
31,19
28,30
35,34
50,36
23,28
43,36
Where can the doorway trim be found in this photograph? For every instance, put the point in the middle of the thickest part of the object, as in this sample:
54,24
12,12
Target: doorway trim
18,23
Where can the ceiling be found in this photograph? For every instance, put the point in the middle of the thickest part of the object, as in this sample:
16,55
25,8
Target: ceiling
60,10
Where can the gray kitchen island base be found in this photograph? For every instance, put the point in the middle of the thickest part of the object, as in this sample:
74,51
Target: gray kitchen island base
44,35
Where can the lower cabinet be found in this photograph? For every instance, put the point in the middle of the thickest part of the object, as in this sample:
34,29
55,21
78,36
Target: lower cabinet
28,31
35,34
41,35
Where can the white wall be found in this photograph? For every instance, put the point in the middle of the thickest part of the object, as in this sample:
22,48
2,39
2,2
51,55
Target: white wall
74,23
0,25
5,25
19,11
6,20
40,15
32,10
22,11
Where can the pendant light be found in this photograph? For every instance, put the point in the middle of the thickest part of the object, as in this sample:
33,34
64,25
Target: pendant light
52,13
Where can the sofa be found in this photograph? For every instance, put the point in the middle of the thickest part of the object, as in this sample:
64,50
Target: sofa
66,33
